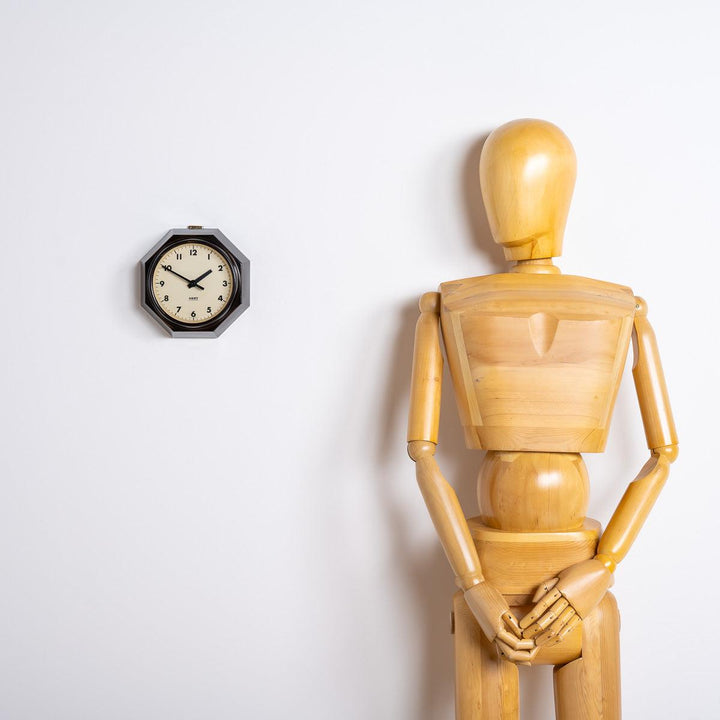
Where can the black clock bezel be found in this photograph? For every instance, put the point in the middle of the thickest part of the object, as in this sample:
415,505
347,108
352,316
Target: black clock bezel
237,262
230,262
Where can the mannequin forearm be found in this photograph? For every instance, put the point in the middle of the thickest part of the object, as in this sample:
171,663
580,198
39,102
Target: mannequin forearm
632,511
662,441
423,421
448,518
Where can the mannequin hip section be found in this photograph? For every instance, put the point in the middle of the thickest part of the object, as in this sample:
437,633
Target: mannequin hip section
533,491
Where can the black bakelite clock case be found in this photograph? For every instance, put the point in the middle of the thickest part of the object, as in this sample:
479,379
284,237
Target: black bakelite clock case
237,263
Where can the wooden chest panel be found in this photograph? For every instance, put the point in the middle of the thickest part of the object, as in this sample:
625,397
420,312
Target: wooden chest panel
536,360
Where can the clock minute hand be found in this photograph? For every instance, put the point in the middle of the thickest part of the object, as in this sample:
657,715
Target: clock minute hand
194,283
170,270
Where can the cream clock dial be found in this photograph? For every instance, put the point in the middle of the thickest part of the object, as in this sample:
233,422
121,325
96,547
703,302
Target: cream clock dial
195,282
192,283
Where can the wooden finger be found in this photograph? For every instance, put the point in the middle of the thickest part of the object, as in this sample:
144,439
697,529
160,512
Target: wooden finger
512,623
545,588
555,628
545,602
547,619
574,622
521,657
513,642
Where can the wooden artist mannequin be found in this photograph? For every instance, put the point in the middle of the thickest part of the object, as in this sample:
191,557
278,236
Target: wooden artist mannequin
536,359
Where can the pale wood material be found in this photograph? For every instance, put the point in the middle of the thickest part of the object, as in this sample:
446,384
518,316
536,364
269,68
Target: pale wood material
536,359
527,174
641,494
513,485
486,685
650,384
555,653
424,416
572,596
473,651
517,562
633,510
493,615
589,688
449,521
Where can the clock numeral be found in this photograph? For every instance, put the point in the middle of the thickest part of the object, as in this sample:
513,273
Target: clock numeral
193,251
208,256
178,256
225,283
168,267
165,298
192,314
220,268
209,309
220,298
162,283
178,309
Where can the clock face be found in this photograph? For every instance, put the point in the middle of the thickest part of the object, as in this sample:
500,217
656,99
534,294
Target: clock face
193,282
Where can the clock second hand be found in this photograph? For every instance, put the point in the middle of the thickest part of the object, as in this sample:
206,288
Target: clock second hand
194,283
191,282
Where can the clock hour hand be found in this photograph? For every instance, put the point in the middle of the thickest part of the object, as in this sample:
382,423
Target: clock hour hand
194,283
170,270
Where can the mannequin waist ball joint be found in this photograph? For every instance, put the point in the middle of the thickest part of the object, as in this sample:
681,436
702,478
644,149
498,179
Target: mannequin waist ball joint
536,359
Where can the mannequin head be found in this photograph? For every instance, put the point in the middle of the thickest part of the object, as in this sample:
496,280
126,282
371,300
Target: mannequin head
527,176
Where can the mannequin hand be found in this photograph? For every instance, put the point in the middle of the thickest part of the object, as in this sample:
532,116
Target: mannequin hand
565,600
499,625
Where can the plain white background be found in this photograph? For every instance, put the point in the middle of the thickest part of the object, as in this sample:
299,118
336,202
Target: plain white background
221,529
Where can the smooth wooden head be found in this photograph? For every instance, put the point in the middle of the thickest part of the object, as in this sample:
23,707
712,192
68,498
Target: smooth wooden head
527,176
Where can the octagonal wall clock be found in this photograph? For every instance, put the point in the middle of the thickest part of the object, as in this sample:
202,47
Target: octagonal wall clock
195,282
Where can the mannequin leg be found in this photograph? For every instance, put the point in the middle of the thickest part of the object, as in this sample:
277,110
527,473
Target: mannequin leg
589,688
486,687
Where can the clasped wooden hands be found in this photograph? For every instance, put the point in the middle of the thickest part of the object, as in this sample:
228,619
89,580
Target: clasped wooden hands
560,602
536,359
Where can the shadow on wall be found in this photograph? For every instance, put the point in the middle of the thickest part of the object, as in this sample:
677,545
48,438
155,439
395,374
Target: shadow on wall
476,217
426,572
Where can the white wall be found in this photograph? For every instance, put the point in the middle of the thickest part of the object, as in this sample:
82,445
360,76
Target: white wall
231,528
